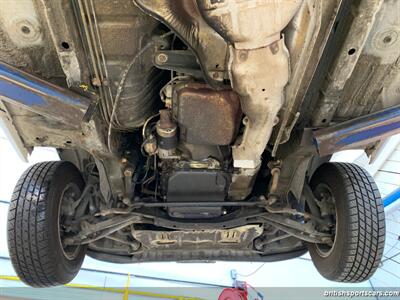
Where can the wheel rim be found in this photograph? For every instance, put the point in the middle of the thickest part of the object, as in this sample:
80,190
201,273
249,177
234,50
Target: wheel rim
323,192
70,194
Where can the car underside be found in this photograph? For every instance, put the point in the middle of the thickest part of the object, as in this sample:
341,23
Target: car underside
199,130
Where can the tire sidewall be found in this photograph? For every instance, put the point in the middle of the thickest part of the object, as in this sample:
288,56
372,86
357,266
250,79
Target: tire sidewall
64,174
332,265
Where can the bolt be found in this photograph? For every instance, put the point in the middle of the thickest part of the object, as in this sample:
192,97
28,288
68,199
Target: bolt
258,244
151,146
243,55
96,81
128,173
126,201
262,198
274,48
162,58
25,29
135,245
387,39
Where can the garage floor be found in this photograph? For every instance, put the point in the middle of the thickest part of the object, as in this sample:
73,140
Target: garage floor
389,272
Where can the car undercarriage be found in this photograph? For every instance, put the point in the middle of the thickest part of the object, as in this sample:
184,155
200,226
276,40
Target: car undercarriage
199,130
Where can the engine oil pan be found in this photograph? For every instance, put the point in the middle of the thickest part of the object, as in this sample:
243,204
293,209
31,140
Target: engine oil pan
206,116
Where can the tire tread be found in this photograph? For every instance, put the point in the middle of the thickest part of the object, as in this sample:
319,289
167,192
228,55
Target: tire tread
366,230
27,227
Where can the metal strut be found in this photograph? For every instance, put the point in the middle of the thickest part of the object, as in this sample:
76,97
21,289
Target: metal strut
359,132
41,97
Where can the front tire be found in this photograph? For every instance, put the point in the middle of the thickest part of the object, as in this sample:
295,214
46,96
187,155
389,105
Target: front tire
33,228
360,223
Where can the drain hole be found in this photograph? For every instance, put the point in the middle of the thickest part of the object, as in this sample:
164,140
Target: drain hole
351,51
65,45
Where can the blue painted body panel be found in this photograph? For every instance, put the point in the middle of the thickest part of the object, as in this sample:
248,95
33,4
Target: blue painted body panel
41,97
359,132
31,91
367,134
392,197
14,92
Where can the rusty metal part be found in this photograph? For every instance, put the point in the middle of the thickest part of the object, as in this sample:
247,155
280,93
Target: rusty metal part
359,132
167,131
235,238
183,17
165,123
128,174
275,172
258,65
206,116
166,127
